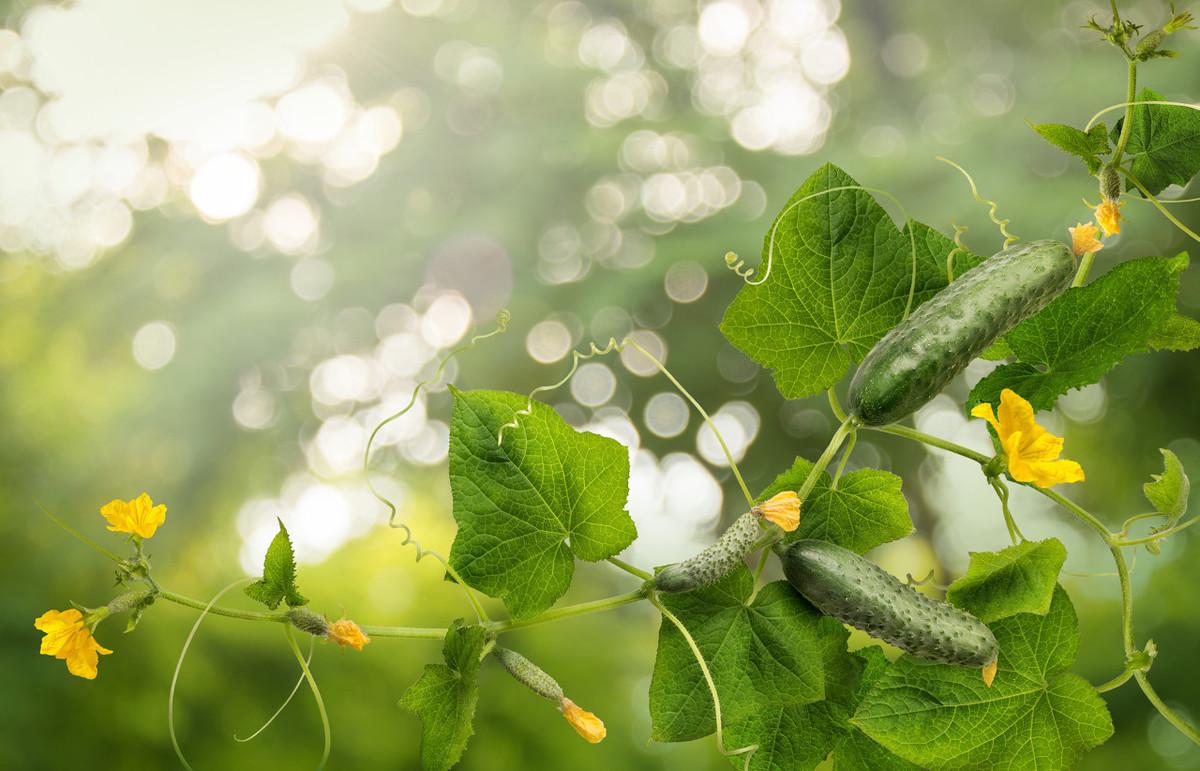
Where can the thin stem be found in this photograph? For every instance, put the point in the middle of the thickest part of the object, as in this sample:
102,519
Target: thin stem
406,632
630,569
835,442
933,441
853,439
1171,715
1080,512
1137,518
312,644
316,692
758,569
567,611
1126,601
217,610
1001,489
1156,536
1162,209
1116,682
835,405
1127,123
1085,267
80,535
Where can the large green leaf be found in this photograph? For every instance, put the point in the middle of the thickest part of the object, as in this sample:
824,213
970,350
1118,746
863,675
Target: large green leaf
855,751
1085,332
1036,714
278,582
1164,143
865,510
841,276
1018,579
445,695
526,508
1088,146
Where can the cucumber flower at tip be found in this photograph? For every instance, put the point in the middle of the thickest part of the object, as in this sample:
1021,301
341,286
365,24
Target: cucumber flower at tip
1084,240
1032,452
67,637
346,633
585,723
1108,214
139,516
782,509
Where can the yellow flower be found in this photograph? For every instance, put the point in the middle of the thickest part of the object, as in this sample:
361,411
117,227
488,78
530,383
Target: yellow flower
1108,214
782,509
347,633
139,516
67,638
1032,451
585,723
1083,239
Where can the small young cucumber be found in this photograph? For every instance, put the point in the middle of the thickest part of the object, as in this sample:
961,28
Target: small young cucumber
920,355
708,566
857,592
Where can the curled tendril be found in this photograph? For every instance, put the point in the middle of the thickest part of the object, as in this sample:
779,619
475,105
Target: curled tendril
299,682
1009,237
1123,105
749,749
738,265
959,248
613,345
502,320
1158,205
926,581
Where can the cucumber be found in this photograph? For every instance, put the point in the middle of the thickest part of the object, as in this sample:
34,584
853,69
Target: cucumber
529,674
858,592
708,566
915,360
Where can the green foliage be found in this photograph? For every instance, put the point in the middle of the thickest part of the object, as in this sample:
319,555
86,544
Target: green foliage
865,510
1164,143
841,276
1177,333
1036,714
763,651
1087,146
527,508
445,695
855,751
278,582
1018,579
1086,332
1169,491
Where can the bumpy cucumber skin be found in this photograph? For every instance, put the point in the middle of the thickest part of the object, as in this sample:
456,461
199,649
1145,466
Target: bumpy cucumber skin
529,674
915,360
857,592
707,567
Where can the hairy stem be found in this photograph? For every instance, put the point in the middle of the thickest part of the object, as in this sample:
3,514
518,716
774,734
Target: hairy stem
1116,682
1127,123
217,610
567,611
630,569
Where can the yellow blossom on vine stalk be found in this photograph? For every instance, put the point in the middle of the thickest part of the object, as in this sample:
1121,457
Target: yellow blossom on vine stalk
139,516
782,509
1108,214
1083,239
1031,450
345,632
585,723
67,638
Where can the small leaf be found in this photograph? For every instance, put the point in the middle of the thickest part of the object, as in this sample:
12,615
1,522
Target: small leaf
867,508
841,276
278,582
1169,491
1085,146
445,695
1177,333
1164,143
997,351
527,508
1037,714
1085,332
1019,579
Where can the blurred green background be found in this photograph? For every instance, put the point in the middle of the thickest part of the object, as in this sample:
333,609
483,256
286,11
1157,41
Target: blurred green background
235,234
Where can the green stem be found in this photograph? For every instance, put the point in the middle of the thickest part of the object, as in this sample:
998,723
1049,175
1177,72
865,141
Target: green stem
567,611
1138,518
1080,512
81,536
853,438
1126,601
1171,715
1127,123
1155,536
1085,267
835,442
630,569
1162,209
316,692
932,441
217,610
1116,682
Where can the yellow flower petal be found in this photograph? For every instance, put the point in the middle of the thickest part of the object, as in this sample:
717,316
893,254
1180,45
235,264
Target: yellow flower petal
585,723
782,509
1084,240
345,632
1031,451
68,639
138,517
1108,214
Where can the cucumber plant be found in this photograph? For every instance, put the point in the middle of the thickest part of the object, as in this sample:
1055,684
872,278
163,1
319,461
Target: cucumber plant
765,665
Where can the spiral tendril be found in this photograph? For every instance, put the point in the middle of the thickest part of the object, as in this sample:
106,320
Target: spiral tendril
959,248
1009,237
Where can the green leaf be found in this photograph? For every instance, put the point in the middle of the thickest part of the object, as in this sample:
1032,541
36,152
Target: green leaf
997,351
445,695
1164,143
278,582
1036,714
1169,491
763,652
855,751
527,508
1177,333
1084,333
841,277
1019,579
1086,146
865,510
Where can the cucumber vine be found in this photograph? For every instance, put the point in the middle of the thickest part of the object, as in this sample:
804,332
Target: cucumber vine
755,663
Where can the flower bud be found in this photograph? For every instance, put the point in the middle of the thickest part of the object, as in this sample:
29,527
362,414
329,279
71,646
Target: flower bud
782,510
585,723
1110,183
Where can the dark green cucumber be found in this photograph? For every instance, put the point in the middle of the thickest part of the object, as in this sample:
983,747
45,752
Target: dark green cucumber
858,592
708,566
920,355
